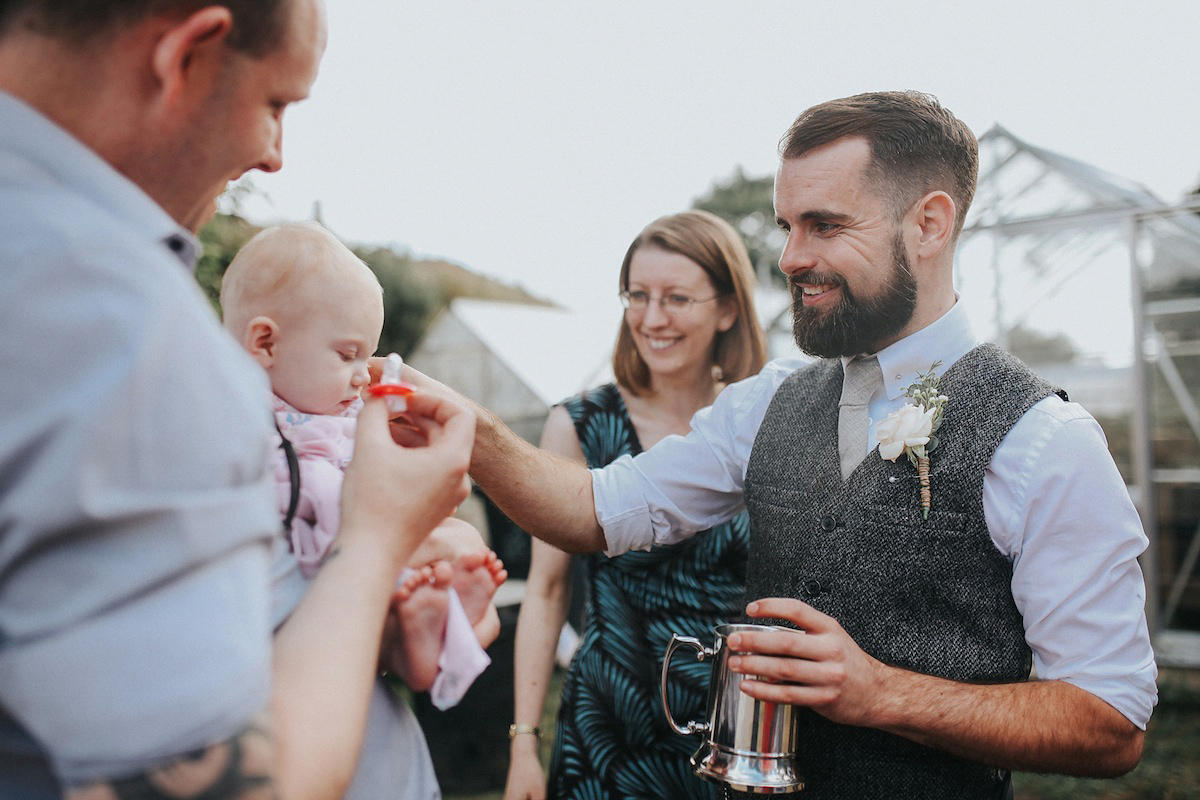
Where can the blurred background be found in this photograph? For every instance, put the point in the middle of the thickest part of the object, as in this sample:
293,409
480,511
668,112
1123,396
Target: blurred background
491,162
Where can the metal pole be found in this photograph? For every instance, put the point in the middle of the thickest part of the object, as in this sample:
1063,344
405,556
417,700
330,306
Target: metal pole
1143,447
998,240
1181,578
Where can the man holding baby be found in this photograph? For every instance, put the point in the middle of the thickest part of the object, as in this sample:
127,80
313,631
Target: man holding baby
137,505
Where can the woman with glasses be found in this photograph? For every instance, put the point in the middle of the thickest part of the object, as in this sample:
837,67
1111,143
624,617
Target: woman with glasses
689,328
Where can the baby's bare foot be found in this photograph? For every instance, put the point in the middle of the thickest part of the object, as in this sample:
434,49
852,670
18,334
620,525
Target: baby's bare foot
417,624
476,578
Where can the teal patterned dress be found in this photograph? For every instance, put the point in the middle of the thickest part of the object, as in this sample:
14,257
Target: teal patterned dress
612,740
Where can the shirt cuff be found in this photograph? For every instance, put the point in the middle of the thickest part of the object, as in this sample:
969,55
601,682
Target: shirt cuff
1134,695
626,523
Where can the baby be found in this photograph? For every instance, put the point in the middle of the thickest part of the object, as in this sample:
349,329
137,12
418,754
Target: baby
311,313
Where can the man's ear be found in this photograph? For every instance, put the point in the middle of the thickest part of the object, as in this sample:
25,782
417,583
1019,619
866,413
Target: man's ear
188,46
934,216
261,340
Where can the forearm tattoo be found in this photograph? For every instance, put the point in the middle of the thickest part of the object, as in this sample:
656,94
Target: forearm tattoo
237,769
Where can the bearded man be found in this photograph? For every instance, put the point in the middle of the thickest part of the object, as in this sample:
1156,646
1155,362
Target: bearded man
925,605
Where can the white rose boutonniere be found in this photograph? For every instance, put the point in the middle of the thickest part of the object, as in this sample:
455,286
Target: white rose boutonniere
906,429
911,430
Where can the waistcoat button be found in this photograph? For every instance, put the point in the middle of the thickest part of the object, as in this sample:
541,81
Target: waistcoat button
812,588
828,523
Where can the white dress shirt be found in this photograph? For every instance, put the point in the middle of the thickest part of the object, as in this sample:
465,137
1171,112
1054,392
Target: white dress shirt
1054,504
136,497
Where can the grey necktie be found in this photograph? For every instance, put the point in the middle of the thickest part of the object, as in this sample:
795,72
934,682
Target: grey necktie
862,377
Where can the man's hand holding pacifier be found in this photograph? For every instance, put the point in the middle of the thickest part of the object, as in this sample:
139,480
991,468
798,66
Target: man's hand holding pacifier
390,387
402,493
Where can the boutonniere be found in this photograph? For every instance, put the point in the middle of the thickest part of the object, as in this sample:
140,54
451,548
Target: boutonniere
912,430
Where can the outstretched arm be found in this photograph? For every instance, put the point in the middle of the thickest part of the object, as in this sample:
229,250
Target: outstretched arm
1039,726
545,494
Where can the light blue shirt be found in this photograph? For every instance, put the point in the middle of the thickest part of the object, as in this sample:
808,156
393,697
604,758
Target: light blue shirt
1053,501
136,495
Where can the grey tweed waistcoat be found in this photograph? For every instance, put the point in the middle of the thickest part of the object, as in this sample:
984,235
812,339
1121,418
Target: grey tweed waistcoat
930,595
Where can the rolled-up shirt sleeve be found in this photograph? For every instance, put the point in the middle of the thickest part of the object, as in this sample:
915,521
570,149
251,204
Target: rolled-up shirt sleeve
1056,504
686,484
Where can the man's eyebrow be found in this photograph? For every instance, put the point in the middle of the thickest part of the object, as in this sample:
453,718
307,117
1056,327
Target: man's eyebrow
818,215
824,215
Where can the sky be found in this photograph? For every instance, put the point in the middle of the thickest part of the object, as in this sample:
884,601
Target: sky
531,141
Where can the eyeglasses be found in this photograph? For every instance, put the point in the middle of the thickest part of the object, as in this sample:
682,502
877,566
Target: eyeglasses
671,303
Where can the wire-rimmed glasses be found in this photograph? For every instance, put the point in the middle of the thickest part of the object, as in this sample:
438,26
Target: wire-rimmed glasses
671,302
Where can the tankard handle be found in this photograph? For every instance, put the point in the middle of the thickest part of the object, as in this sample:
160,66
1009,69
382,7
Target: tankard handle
702,653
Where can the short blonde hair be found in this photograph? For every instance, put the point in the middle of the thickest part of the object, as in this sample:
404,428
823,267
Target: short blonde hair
285,258
717,248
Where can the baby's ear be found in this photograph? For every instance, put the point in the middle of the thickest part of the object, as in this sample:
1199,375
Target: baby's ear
262,335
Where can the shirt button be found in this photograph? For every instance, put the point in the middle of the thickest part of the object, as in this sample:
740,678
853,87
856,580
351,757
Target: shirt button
828,523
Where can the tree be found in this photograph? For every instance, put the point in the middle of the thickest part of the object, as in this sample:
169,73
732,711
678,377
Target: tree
1035,347
747,204
414,290
409,304
221,238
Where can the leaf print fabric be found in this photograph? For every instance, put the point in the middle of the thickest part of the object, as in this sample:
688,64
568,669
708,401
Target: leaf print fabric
612,740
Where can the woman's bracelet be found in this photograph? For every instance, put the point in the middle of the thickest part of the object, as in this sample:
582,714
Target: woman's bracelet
516,729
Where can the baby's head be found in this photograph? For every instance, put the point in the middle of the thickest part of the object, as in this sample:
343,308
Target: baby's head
308,310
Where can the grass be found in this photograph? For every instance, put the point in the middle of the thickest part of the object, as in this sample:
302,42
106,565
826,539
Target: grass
1170,767
549,713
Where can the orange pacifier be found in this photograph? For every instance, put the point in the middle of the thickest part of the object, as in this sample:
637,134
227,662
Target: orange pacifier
390,387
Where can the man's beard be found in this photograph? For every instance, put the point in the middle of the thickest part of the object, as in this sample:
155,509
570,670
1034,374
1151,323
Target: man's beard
855,325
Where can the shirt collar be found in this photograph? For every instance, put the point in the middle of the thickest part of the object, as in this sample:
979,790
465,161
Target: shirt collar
942,342
54,154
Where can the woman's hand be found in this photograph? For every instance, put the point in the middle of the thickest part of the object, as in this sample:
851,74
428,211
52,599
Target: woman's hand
526,778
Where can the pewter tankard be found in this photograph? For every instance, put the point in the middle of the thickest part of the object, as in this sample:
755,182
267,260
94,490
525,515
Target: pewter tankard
749,744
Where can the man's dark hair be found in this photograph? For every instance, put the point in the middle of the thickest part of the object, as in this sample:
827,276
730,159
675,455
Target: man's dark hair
917,145
258,25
